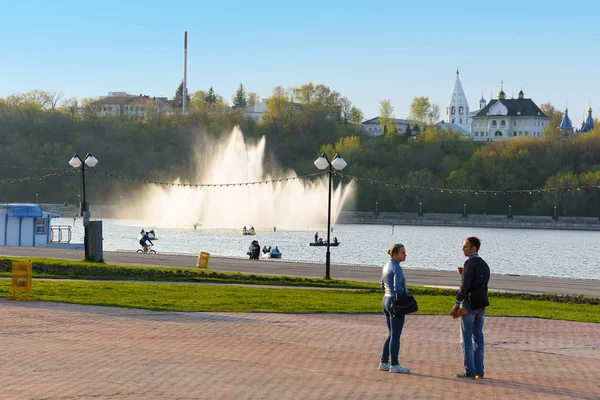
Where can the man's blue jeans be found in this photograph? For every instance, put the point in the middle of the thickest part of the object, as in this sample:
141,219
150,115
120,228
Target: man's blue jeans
391,346
471,340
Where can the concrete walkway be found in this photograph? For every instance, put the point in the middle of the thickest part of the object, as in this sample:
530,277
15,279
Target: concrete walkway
515,283
60,351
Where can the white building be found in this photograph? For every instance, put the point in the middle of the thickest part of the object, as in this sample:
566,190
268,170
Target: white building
504,118
257,111
118,104
24,225
457,110
373,128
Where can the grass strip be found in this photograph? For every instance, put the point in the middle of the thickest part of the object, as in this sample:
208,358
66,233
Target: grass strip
209,298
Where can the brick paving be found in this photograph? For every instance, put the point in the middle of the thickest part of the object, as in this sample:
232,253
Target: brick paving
56,351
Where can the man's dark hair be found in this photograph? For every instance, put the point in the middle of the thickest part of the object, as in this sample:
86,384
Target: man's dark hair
474,242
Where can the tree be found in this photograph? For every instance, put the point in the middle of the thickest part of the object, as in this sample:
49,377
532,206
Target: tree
423,112
179,96
408,131
71,105
91,107
356,116
556,117
211,96
277,105
253,99
386,117
434,114
240,99
346,108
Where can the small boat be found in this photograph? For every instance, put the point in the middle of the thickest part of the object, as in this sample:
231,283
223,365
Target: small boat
248,231
272,254
323,244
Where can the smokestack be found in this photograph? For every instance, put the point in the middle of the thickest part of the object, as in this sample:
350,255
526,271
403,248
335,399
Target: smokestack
184,73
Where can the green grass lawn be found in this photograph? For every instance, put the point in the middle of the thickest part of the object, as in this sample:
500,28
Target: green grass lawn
252,298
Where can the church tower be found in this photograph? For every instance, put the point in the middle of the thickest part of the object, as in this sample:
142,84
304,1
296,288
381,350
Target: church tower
457,110
566,127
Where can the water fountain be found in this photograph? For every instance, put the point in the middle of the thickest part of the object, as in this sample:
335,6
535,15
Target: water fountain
295,204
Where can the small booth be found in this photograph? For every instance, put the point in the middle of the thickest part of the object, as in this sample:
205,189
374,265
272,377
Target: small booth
24,225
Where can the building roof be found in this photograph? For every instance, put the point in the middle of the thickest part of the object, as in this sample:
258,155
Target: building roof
376,121
516,108
25,210
129,99
588,124
566,121
449,126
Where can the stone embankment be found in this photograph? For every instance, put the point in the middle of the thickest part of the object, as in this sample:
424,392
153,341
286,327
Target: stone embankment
470,220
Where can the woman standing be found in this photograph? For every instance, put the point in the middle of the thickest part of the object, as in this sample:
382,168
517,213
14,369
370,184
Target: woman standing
393,281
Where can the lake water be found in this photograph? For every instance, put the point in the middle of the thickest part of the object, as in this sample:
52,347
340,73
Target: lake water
550,253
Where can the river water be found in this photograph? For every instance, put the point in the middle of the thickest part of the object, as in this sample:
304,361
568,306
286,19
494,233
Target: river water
548,253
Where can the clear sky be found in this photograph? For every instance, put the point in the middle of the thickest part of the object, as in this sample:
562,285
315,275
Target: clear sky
366,51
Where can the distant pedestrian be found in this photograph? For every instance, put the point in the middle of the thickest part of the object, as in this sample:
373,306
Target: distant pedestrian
393,282
475,276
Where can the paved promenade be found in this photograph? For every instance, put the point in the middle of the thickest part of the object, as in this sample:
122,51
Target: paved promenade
524,284
61,351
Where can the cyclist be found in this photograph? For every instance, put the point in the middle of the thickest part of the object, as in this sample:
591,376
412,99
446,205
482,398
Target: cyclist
143,241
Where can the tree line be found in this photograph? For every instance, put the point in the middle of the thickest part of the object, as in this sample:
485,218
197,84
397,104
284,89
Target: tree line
39,134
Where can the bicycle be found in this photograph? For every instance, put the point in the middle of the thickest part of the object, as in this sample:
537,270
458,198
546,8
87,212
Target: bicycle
150,251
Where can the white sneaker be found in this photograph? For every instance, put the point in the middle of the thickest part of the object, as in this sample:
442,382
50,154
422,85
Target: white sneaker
399,369
384,366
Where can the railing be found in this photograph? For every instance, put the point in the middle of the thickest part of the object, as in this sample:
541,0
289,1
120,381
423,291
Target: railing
58,233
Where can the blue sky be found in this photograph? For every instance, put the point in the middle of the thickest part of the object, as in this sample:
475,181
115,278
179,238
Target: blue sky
366,51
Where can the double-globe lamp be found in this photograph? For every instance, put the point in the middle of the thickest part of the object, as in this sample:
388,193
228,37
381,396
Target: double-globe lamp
76,162
339,164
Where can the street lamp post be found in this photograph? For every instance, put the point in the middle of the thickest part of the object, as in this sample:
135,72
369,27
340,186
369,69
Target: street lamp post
84,211
339,164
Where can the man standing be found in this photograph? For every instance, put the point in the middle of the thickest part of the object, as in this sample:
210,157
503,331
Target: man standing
475,278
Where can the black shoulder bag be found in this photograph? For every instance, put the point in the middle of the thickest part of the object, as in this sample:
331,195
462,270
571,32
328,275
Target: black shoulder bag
403,304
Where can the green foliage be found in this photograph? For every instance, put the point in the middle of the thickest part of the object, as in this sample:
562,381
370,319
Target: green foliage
211,96
240,99
179,96
36,139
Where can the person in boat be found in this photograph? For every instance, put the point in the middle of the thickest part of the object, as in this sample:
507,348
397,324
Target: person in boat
265,250
277,249
320,240
335,240
317,237
151,234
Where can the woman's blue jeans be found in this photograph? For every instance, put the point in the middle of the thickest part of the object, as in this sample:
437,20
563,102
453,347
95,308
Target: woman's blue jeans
471,340
391,346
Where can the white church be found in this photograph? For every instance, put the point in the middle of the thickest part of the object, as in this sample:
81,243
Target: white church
497,119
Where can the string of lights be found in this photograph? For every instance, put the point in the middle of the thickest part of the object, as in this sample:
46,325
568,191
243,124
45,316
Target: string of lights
37,178
198,185
586,188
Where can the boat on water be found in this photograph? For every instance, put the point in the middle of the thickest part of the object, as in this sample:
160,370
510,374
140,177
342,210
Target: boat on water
250,231
272,254
335,244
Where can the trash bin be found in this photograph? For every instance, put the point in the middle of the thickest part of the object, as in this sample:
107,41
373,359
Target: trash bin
203,258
